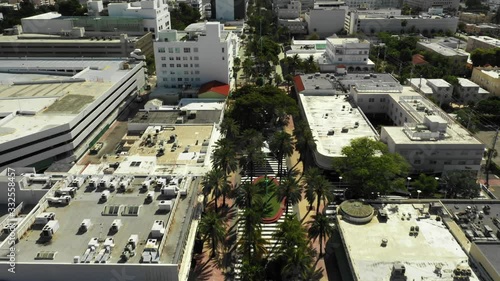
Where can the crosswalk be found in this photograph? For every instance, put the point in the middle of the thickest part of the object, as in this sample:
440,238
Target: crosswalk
270,169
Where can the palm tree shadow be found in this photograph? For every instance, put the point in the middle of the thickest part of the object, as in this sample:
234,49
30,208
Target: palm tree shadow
203,271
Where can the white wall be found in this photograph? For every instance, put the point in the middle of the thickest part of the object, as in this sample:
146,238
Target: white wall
45,26
325,22
367,25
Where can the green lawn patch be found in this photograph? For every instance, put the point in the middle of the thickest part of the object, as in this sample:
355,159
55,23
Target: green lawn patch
273,205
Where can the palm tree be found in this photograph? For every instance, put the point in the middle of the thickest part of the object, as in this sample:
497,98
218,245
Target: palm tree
321,228
281,145
224,157
212,229
304,141
236,68
299,262
230,128
247,195
252,157
290,191
251,241
317,187
214,182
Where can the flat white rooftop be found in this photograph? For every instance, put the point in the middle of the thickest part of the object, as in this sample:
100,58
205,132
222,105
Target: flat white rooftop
444,50
486,39
467,83
328,116
433,246
492,73
51,92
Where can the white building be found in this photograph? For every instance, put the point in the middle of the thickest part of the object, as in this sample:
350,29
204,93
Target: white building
53,108
469,91
423,134
295,26
94,7
482,42
437,89
352,54
229,10
203,53
424,5
325,22
373,4
154,13
374,23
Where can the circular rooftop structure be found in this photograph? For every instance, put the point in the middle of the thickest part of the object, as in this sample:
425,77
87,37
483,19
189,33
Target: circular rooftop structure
356,211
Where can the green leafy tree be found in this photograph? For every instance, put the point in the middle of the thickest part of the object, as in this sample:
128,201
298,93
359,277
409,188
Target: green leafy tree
183,15
304,142
313,36
427,184
320,227
461,184
71,8
212,229
230,128
253,155
368,166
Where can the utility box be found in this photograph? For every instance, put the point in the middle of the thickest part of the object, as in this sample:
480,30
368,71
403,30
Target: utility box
44,218
104,196
158,229
49,229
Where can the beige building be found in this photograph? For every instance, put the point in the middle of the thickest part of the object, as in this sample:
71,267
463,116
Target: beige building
488,78
482,42
43,45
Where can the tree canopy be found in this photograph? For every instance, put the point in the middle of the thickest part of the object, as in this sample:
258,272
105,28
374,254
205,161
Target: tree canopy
481,57
460,184
183,15
368,167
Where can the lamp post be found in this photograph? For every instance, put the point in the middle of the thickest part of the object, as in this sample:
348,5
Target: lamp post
408,183
340,181
418,194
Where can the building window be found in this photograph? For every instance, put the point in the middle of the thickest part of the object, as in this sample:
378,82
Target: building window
179,65
179,79
462,162
222,50
177,50
195,50
172,65
171,50
151,29
371,100
196,58
165,79
145,29
161,50
186,72
222,58
340,59
171,58
184,58
196,72
464,152
197,79
163,65
196,65
177,58
186,65
172,79
187,50
163,58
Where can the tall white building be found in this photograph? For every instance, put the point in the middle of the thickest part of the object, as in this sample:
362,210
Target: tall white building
203,53
154,13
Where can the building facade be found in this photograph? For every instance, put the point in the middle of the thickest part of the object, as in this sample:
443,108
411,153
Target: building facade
188,60
488,78
228,10
351,54
325,22
40,45
468,91
154,13
482,42
437,89
372,24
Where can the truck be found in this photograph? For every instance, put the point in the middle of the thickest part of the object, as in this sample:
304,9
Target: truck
49,229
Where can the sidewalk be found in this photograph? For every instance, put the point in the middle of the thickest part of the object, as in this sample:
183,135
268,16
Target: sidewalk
302,208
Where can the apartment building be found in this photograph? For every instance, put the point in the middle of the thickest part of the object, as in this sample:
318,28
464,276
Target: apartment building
202,53
456,57
374,23
423,134
482,42
437,89
52,108
488,78
468,91
350,54
424,5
